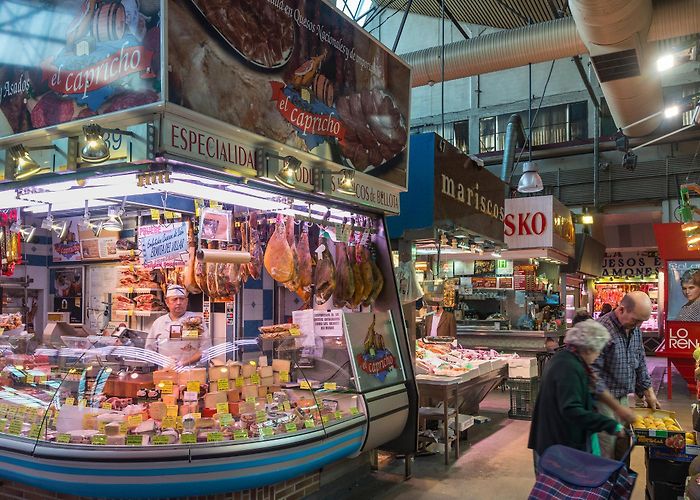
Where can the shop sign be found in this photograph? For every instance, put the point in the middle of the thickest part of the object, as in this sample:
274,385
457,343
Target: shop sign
163,245
325,86
538,222
466,195
630,264
86,60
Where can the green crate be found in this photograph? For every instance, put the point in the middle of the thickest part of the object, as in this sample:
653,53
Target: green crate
523,394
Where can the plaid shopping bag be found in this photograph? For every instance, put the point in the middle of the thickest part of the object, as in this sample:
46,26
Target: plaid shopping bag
569,473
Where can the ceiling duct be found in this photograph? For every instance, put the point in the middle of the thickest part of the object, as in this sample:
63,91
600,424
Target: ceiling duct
616,33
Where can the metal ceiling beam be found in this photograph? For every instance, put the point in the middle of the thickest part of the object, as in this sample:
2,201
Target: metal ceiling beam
454,21
403,21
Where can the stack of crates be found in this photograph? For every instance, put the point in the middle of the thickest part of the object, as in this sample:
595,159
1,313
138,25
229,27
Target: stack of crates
523,394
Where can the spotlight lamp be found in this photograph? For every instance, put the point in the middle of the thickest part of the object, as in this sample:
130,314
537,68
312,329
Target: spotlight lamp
114,219
60,229
95,149
26,232
346,184
629,160
24,165
287,174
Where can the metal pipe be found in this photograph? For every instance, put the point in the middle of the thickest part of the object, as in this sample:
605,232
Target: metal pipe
442,72
596,155
515,136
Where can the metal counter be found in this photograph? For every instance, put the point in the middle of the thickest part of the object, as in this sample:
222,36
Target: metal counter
505,340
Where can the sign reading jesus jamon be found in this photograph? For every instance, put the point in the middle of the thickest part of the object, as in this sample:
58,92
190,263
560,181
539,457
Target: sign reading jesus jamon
71,59
297,72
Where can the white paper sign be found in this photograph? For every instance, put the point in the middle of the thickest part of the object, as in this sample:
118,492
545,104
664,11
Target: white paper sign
329,323
162,245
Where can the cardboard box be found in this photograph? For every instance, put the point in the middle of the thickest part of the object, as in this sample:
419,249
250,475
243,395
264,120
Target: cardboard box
522,368
657,437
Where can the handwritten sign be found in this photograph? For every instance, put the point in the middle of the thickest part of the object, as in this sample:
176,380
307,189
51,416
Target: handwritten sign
63,438
188,438
267,432
163,245
222,384
134,440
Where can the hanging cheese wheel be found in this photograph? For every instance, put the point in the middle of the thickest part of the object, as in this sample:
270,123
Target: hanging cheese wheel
323,89
109,22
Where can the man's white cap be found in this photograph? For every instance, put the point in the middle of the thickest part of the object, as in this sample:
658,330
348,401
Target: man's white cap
176,291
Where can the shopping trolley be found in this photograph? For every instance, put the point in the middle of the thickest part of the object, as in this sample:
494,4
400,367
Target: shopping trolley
565,473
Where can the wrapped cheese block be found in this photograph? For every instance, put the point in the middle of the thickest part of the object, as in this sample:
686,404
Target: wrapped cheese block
246,407
186,408
169,399
267,381
112,428
206,423
265,371
213,398
262,391
172,436
146,427
281,365
81,436
247,370
158,410
191,375
249,391
234,408
116,440
218,373
274,388
234,369
110,417
233,395
276,378
160,375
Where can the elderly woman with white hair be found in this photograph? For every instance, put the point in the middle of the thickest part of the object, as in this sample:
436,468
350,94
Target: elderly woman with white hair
564,412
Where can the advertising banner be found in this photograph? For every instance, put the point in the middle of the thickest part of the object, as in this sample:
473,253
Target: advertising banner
294,71
628,264
72,59
538,222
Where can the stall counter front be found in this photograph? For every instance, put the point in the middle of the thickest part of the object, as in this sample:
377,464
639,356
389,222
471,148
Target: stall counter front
520,341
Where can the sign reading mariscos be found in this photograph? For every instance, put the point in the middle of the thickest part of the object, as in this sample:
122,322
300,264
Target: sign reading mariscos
94,58
538,222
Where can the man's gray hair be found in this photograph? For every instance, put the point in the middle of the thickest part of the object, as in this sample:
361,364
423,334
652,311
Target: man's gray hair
589,335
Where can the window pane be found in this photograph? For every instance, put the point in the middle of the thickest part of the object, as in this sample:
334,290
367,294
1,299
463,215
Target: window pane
487,134
578,121
461,131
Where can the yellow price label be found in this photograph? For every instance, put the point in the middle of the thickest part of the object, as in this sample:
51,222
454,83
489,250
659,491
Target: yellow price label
178,423
34,431
269,398
15,427
330,386
267,432
304,385
69,401
169,215
240,434
225,419
354,411
214,437
255,379
250,399
101,428
3,424
123,428
294,332
286,406
134,440
338,415
290,427
160,440
63,438
99,440
222,384
309,424
42,379
135,420
106,406
325,419
240,381
83,403
168,423
260,416
221,407
171,410
155,214
193,386
197,415
188,438
166,386
284,376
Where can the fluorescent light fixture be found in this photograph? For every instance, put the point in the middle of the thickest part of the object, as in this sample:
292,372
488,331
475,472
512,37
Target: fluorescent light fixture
8,199
665,62
530,181
587,219
224,196
671,111
79,195
62,207
690,226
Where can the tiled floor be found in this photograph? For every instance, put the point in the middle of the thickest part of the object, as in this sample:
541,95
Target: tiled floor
495,460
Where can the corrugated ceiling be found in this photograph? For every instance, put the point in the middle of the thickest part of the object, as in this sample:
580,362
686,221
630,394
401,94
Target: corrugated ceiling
505,14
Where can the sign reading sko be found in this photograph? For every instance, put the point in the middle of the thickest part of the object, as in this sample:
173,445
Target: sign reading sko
538,222
297,72
81,58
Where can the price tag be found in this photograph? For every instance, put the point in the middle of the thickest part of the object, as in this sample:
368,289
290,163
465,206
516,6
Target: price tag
330,386
160,440
255,379
101,428
309,424
34,431
284,376
240,381
267,432
3,408
225,419
290,427
134,440
99,439
197,415
222,384
3,424
215,437
269,398
155,214
166,387
286,406
354,411
168,423
338,415
69,401
106,406
63,438
31,413
171,410
178,423
188,438
83,403
221,407
260,416
123,428
304,384
42,379
294,332
240,434
169,215
15,427
135,420
193,386
250,399
325,419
